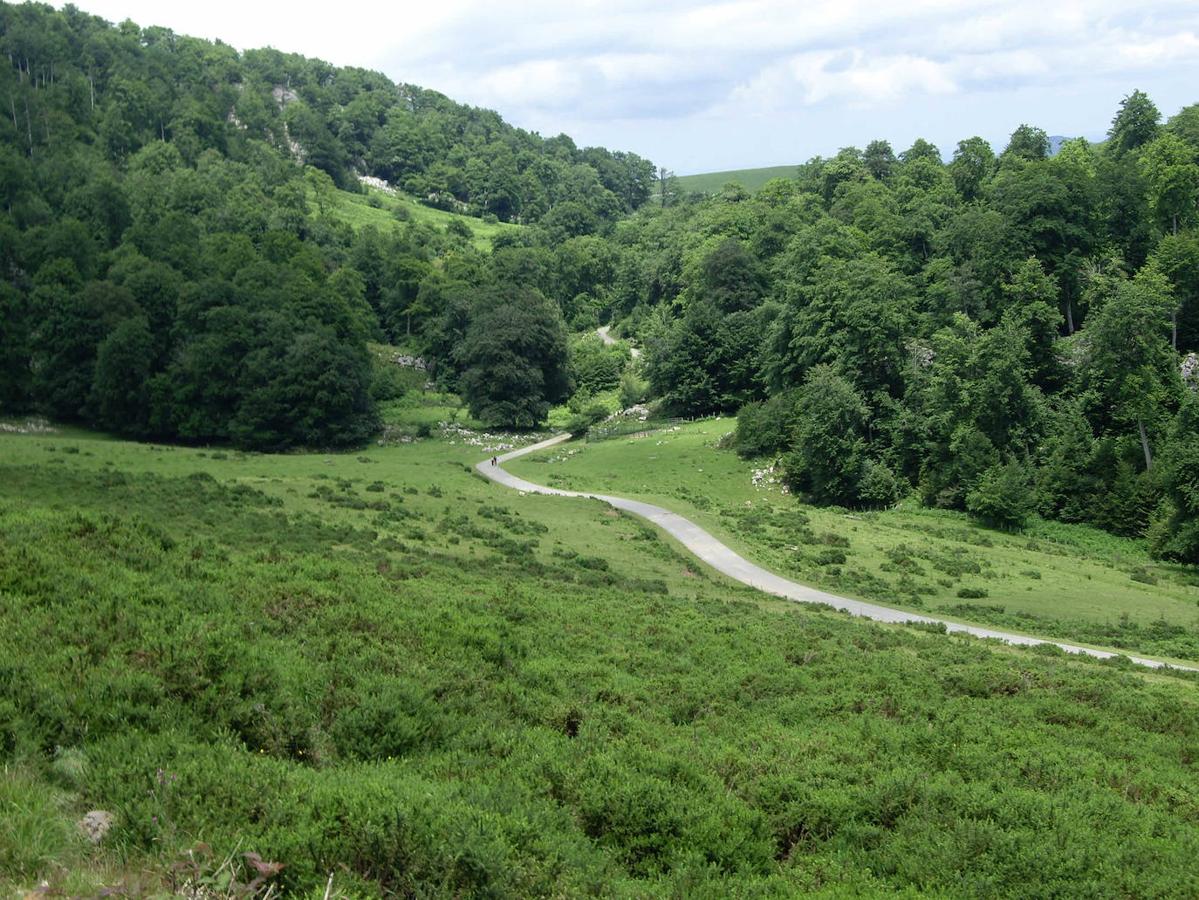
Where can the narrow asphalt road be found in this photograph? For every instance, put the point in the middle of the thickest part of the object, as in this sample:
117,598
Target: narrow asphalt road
609,340
724,560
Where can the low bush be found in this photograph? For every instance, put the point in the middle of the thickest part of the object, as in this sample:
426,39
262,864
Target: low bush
765,429
1003,497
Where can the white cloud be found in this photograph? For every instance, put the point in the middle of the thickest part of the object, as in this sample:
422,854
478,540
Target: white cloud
623,67
1155,52
853,77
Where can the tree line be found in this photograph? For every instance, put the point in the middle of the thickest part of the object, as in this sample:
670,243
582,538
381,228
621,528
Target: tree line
1005,334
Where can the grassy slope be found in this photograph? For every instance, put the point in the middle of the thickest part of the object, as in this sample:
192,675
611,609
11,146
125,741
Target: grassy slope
357,211
379,665
750,179
1052,578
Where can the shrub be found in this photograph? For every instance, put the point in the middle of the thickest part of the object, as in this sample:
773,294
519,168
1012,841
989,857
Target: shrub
1003,497
392,718
388,382
879,486
764,429
1142,575
967,593
595,366
590,414
633,390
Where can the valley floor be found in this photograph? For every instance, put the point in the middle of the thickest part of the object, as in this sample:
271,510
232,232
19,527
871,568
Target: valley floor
1062,581
380,666
724,560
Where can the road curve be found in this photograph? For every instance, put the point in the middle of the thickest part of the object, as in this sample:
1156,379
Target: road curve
724,560
611,341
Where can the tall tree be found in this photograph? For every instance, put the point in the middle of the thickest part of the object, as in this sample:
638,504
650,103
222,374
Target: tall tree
1131,362
1177,257
879,159
1027,143
1172,174
514,359
1134,125
1174,531
973,161
828,458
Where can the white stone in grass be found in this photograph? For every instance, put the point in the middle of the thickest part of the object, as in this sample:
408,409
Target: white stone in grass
96,824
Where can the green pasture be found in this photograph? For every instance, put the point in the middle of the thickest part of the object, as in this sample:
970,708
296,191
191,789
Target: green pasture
1068,581
750,179
384,211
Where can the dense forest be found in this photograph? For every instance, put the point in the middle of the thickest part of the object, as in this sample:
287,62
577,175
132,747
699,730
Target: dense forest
171,266
1008,334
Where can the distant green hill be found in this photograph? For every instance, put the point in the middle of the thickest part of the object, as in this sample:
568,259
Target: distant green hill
750,179
753,179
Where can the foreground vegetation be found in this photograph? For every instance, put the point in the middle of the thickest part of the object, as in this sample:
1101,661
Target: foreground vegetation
379,666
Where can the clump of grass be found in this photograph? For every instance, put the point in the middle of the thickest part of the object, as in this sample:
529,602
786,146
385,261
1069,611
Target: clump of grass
37,831
1142,575
831,557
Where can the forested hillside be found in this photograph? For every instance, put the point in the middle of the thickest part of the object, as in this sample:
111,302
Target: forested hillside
1007,335
174,262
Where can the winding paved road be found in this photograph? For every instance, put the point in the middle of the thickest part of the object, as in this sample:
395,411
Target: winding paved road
724,560
610,341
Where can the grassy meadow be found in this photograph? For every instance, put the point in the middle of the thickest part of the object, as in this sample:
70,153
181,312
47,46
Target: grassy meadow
384,211
750,179
377,665
1067,581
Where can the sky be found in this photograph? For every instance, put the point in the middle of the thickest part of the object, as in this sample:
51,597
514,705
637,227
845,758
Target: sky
700,86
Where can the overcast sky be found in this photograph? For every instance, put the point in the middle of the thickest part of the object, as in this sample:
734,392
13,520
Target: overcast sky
703,86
